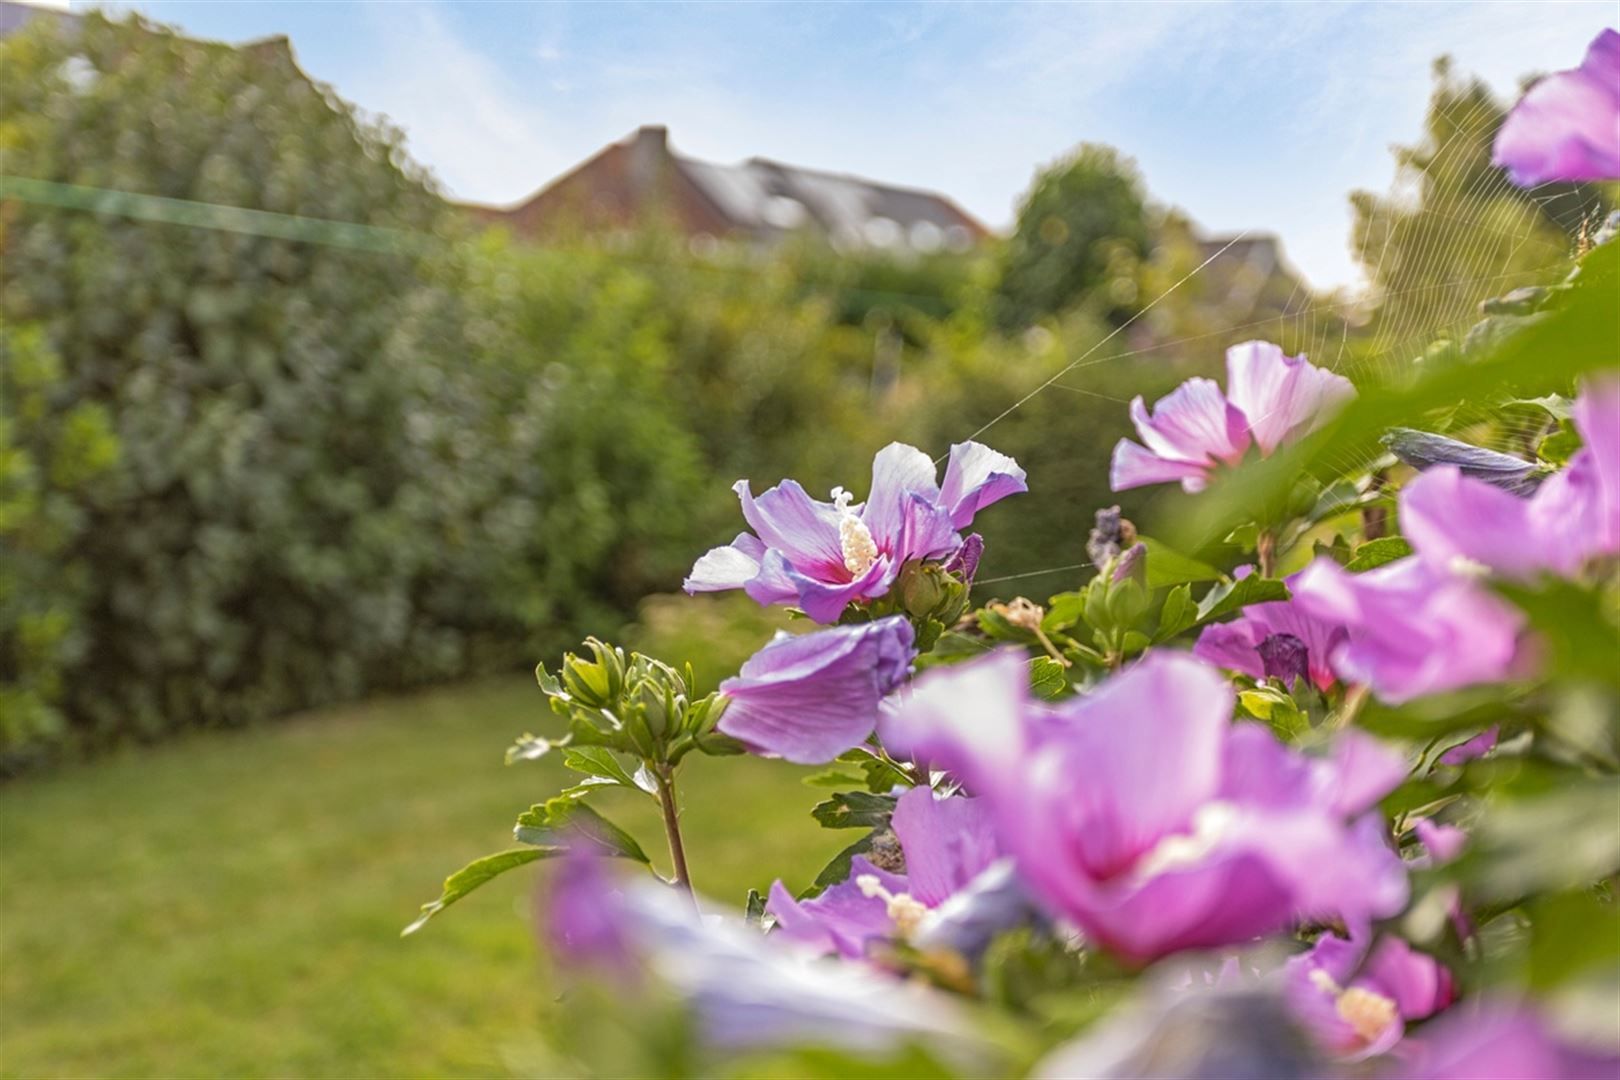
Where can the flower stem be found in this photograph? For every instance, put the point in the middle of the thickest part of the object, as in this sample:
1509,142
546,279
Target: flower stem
1265,549
672,828
1354,699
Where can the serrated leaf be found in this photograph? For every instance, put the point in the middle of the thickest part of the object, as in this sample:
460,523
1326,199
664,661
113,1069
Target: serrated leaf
566,820
1046,678
879,775
854,810
597,761
1063,611
475,874
1167,566
1375,553
837,868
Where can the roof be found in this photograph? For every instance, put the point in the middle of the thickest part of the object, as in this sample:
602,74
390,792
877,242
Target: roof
761,199
770,197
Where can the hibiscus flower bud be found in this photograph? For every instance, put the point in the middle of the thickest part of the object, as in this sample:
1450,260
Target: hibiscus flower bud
928,592
598,683
1132,566
1111,535
1284,657
1423,450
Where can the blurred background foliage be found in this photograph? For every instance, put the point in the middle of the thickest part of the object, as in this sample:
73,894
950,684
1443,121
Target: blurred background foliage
243,475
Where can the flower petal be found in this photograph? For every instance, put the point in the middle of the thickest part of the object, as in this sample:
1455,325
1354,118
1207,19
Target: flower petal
975,477
804,530
1412,629
1129,792
1282,398
966,718
729,567
1134,467
809,698
947,842
1567,127
1193,423
898,470
842,918
1450,518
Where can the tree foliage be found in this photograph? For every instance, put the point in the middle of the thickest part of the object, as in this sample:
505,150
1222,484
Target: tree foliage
1083,223
1456,231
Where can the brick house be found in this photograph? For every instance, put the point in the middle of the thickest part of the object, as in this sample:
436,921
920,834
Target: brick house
641,180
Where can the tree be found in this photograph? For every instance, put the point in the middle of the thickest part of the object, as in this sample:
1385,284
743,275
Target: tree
263,542
1083,224
1456,231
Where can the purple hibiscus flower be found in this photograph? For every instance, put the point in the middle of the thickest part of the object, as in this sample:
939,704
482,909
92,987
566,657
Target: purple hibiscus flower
744,991
1573,517
1413,629
1141,813
947,844
1567,127
824,555
1270,400
810,697
1276,639
1355,1003
1499,1040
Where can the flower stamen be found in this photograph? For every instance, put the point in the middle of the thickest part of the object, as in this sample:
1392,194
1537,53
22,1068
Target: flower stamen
905,910
1369,1014
855,541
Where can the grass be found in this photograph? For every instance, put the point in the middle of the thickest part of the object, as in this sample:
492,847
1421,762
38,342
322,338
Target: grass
230,904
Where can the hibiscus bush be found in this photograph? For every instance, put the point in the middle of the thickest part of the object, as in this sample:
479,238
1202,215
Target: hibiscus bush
1320,776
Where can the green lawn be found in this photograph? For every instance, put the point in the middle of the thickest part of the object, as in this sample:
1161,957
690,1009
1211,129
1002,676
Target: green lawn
230,904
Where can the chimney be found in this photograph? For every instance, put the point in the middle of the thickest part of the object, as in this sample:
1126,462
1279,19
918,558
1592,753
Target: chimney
648,151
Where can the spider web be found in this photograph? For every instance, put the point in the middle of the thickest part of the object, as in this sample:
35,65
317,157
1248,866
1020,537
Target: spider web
1493,211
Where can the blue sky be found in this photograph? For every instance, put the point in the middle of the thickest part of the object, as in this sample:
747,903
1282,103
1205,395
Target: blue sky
1246,115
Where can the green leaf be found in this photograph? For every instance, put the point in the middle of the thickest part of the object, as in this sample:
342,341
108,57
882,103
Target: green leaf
1550,842
832,778
837,869
1375,553
1571,620
997,628
1063,611
1047,679
854,810
1227,597
476,873
598,762
1574,932
1558,447
556,822
1167,566
1178,613
880,775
